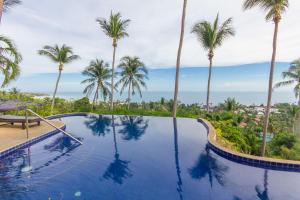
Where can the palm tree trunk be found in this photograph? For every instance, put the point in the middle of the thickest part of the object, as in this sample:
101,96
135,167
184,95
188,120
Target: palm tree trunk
112,77
1,9
269,104
179,58
55,91
208,84
129,95
95,97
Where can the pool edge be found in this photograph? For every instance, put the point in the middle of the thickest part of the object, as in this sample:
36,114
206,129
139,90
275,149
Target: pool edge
241,158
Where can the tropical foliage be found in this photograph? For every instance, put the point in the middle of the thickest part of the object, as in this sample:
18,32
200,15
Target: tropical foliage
133,74
211,36
97,74
115,28
293,76
10,59
60,55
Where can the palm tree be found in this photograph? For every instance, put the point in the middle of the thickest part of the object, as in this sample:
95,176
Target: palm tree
98,73
274,10
133,74
212,36
179,58
293,76
230,104
5,5
10,59
114,28
61,55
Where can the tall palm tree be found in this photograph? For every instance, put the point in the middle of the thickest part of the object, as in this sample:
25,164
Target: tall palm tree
293,76
114,28
10,59
274,10
98,73
212,36
133,74
5,5
61,55
179,59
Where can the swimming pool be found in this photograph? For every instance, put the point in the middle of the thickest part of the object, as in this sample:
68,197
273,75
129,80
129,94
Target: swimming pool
133,158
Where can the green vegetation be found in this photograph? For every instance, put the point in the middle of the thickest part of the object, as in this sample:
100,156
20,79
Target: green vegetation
211,36
60,55
10,59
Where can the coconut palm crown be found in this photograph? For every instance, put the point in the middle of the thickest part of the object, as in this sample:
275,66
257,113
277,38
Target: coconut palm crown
115,28
293,78
60,55
10,59
97,74
273,8
211,36
5,5
133,74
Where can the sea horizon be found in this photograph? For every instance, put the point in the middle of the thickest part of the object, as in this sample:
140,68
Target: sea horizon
192,97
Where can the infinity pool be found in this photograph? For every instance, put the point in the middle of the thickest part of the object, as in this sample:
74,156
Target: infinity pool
136,158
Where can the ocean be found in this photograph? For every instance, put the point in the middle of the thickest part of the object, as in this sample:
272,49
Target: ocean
246,98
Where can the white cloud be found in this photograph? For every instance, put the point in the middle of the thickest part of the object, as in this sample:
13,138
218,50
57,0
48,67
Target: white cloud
154,31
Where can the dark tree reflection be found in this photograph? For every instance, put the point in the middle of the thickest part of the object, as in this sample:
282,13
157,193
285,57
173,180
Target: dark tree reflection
133,127
206,165
99,125
60,144
11,168
177,164
118,170
263,194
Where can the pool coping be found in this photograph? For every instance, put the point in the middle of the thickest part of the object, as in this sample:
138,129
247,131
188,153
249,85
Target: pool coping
32,141
242,158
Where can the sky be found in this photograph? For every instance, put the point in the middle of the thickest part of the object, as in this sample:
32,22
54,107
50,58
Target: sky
154,32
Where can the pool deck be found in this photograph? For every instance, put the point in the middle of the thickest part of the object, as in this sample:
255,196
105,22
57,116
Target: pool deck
11,136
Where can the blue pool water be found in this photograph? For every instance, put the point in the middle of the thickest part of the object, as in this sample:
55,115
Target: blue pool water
136,158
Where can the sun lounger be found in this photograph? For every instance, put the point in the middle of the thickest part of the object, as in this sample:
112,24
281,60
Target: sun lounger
11,119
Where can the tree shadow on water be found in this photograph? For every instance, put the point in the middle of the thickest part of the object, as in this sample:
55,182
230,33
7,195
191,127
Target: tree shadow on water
118,170
99,125
207,165
133,127
263,194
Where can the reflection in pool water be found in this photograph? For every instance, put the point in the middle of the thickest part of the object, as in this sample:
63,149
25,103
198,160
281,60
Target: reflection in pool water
136,158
